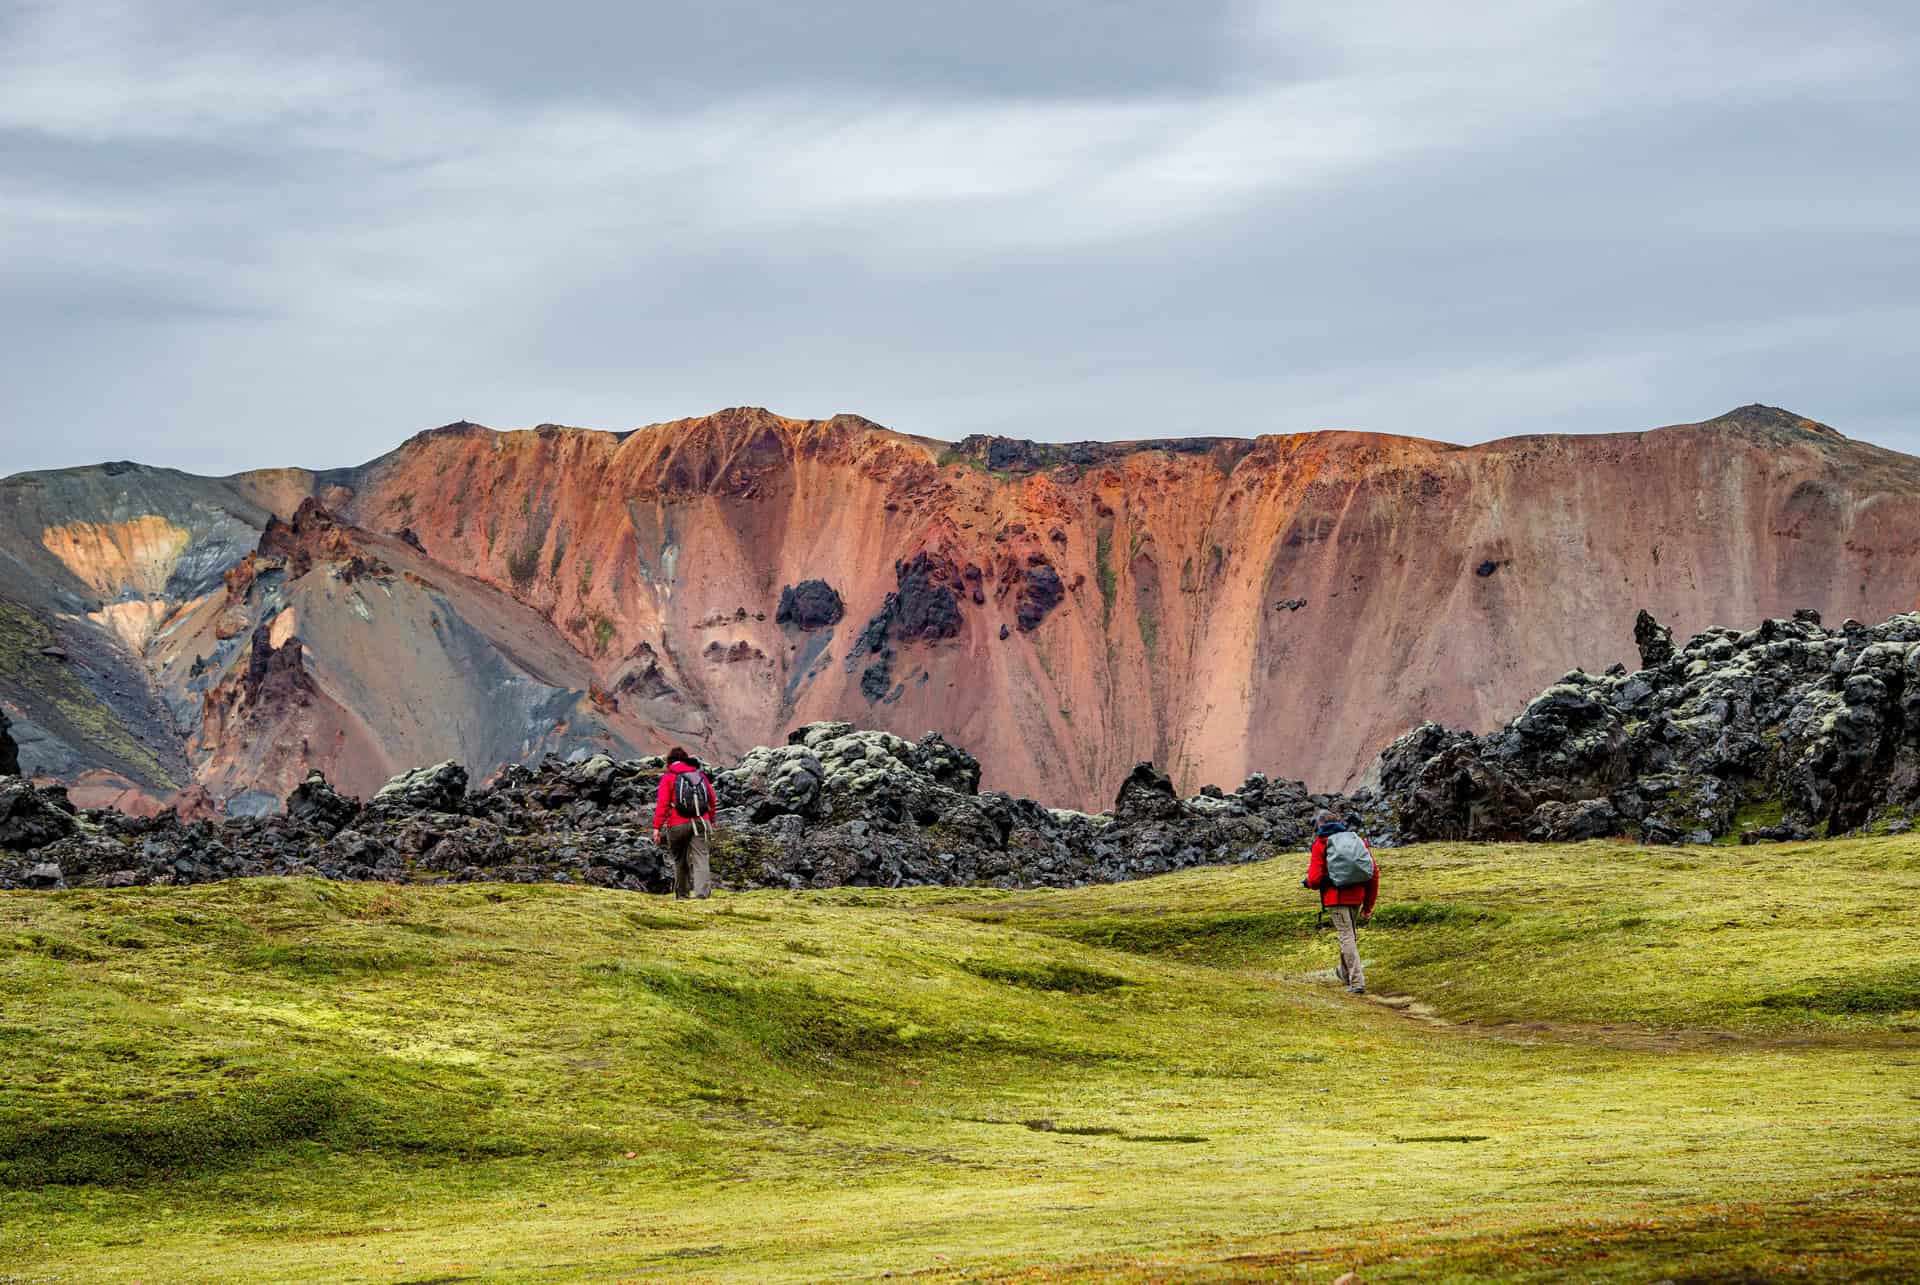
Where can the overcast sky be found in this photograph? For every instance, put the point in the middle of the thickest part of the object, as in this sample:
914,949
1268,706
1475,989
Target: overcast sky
235,234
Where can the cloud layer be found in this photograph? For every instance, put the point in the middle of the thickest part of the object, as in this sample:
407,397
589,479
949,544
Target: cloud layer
230,240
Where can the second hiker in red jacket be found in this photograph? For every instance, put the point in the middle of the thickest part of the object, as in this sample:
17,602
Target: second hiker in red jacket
684,812
1342,868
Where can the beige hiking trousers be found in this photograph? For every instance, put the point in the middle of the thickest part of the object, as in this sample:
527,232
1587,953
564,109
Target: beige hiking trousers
1344,919
692,859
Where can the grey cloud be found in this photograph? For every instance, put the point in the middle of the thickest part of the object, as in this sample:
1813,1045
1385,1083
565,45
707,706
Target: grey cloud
711,49
71,296
239,240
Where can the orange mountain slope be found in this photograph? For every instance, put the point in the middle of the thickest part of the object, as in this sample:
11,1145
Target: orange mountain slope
1284,604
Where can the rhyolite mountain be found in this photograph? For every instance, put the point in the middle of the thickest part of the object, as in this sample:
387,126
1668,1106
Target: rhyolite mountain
1281,604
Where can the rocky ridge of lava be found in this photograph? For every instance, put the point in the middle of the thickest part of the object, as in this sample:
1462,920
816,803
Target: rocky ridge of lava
1785,731
833,806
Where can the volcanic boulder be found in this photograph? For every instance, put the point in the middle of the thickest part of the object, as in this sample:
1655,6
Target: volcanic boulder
1570,822
1654,640
320,805
9,752
1784,832
926,605
1040,592
785,780
1462,794
946,764
440,788
30,817
1147,795
1399,765
810,605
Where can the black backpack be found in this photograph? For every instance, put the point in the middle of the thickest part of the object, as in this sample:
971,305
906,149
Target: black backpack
690,794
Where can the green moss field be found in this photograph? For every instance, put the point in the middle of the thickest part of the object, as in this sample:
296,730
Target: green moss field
1586,1062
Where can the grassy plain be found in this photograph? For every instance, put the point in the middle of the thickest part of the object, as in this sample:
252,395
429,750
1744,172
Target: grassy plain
1592,1061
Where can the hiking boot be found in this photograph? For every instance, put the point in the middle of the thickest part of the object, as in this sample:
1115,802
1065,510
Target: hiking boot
1356,990
1340,973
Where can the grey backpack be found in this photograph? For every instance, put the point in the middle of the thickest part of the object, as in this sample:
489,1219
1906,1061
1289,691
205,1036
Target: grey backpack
1348,861
690,794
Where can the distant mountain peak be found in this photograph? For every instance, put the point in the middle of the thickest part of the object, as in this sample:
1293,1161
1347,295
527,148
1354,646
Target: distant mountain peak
1774,419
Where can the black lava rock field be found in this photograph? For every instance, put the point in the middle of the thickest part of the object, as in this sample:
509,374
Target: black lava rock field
1785,731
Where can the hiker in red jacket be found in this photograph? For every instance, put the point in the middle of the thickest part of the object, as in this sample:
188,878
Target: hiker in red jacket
685,810
1342,868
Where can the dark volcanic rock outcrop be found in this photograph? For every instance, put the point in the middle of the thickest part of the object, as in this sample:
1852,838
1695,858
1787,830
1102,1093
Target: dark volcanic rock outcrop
1147,794
440,788
810,605
876,680
1654,640
274,673
927,604
32,818
1786,729
321,806
835,805
1040,592
9,752
924,607
1017,455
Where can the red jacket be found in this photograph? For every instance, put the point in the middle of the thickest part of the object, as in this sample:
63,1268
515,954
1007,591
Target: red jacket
664,813
1360,894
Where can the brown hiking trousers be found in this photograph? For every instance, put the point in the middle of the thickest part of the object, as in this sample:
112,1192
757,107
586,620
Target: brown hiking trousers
688,845
1344,920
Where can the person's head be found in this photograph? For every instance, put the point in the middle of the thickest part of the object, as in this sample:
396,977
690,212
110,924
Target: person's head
1324,817
678,755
